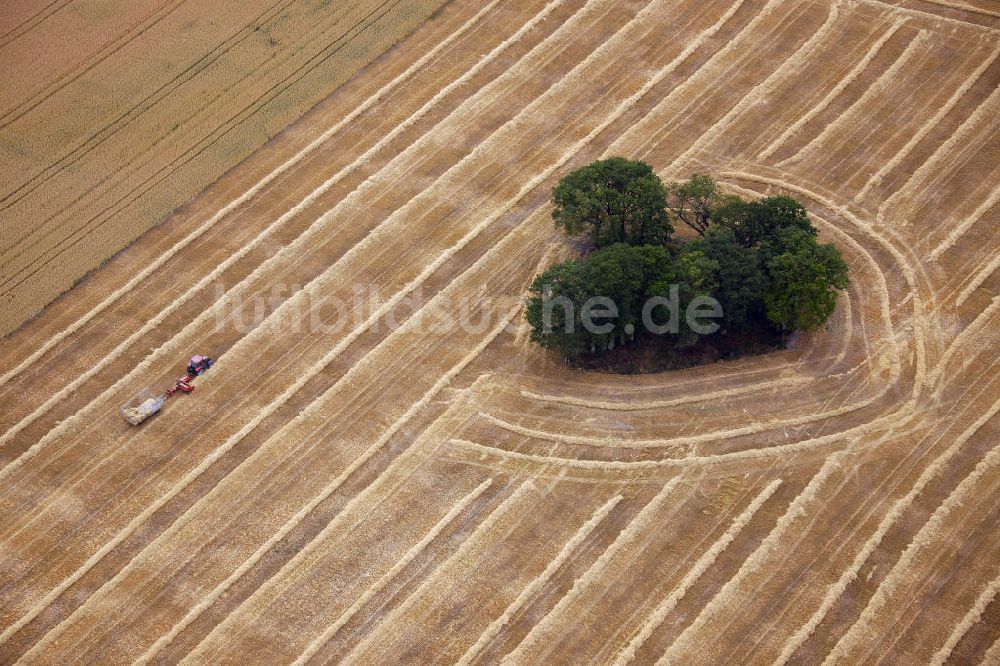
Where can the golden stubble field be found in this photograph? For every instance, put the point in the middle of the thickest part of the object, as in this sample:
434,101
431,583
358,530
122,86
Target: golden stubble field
373,494
113,114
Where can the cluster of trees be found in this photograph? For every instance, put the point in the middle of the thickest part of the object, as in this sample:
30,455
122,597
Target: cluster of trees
751,265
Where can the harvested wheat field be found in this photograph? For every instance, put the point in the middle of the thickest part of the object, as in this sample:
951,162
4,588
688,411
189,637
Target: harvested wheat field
342,490
113,114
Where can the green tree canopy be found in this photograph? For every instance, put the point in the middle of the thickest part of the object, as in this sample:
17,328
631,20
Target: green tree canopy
614,201
696,201
804,277
741,278
759,260
756,222
693,274
620,273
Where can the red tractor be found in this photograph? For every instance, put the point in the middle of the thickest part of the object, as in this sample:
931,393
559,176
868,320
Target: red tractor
145,404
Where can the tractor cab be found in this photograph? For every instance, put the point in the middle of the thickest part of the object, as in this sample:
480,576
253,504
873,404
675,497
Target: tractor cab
198,365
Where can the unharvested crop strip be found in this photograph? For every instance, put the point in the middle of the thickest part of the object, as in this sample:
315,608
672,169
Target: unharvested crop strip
168,254
836,590
94,59
926,128
317,644
95,139
567,551
855,637
134,194
707,559
641,524
877,89
29,23
839,88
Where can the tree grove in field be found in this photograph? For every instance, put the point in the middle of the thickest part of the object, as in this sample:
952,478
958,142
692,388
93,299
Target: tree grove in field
758,262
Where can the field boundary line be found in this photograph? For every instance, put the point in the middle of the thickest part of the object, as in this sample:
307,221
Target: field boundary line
862,625
641,522
707,559
243,198
927,127
820,106
317,644
836,590
567,551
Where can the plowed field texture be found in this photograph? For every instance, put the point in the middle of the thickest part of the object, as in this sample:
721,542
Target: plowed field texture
350,483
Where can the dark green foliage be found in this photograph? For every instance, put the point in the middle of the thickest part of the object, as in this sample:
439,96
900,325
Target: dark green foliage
621,273
614,201
694,274
696,201
741,277
759,260
804,277
756,222
569,280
